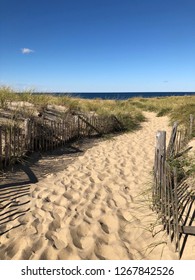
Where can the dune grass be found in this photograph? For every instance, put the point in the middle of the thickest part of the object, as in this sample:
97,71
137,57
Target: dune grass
178,108
130,111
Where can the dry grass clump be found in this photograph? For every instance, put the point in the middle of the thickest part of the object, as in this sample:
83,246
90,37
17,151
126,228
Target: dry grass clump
128,114
178,108
6,95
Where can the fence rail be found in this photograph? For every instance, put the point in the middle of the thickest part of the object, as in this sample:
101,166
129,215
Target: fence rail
173,197
45,134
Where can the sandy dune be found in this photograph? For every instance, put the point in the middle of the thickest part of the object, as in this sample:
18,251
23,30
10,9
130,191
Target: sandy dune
96,208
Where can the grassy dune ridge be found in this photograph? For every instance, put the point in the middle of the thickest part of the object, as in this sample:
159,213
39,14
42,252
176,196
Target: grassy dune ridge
178,108
130,111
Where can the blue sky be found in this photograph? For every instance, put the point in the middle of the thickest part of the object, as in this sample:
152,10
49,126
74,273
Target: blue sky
98,45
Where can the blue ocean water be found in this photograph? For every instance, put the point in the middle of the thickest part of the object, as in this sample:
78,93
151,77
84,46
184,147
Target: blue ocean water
122,95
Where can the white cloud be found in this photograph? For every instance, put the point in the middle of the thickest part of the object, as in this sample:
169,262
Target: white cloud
26,51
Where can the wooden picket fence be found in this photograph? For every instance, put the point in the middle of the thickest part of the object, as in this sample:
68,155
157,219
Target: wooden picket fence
173,196
46,134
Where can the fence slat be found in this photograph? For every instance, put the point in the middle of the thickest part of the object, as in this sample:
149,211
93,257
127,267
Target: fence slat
1,145
176,222
46,134
171,145
87,123
191,124
187,230
170,194
159,168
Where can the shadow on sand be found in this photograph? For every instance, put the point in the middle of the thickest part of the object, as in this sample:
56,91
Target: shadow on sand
16,181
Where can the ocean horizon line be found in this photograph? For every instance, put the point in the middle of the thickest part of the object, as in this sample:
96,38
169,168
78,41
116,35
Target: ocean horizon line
118,95
114,92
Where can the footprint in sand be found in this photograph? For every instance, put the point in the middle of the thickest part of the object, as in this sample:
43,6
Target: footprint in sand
102,176
111,203
38,203
75,238
42,194
61,201
75,220
12,249
38,226
51,198
111,251
57,238
58,243
94,213
125,215
61,185
69,253
61,210
81,242
27,253
23,220
55,224
83,229
119,200
75,196
67,195
40,243
109,223
49,253
47,207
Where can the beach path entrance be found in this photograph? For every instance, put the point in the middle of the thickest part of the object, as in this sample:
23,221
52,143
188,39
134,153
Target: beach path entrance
98,207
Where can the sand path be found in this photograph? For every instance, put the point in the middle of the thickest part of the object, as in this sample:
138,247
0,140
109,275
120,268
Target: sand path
96,208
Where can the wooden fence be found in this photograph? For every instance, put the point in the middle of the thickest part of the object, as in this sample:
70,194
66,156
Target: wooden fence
46,134
173,195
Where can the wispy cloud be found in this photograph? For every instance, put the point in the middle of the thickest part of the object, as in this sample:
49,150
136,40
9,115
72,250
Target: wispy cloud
26,51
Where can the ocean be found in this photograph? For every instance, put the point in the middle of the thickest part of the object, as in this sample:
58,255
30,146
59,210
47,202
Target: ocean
121,95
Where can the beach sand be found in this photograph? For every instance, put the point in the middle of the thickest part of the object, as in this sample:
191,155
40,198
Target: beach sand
96,207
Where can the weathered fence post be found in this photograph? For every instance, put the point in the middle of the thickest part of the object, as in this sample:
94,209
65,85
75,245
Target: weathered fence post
1,154
159,169
171,146
175,214
191,124
79,128
27,133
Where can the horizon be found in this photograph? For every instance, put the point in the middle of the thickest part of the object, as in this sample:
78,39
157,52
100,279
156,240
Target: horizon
98,46
115,92
91,92
117,95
